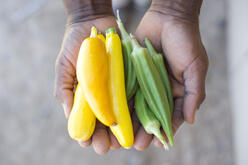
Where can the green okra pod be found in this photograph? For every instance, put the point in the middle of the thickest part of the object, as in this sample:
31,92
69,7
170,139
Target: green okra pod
159,62
147,118
152,87
130,75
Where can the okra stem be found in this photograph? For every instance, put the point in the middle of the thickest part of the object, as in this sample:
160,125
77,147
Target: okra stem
130,75
124,34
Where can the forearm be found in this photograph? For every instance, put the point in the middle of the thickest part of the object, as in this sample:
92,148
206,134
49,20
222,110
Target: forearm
184,9
84,10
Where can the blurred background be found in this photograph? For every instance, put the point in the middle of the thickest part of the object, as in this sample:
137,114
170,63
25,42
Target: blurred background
33,126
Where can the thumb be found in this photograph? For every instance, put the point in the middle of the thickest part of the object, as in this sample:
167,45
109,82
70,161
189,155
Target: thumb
64,83
67,102
194,77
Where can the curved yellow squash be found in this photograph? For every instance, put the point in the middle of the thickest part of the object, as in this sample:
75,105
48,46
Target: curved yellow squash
123,130
81,122
93,75
101,37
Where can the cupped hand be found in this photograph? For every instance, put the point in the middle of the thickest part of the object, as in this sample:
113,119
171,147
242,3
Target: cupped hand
65,80
185,56
175,32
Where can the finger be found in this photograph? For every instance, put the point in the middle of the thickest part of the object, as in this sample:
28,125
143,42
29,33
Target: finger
114,144
64,83
188,61
65,68
84,144
142,139
144,31
177,118
100,139
156,142
67,102
177,88
194,87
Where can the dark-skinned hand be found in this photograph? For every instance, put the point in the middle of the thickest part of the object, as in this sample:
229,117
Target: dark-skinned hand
173,29
185,56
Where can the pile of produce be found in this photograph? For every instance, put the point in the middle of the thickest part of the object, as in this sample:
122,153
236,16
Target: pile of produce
110,72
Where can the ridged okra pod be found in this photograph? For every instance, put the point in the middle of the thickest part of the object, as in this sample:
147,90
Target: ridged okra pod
159,62
152,87
150,123
130,75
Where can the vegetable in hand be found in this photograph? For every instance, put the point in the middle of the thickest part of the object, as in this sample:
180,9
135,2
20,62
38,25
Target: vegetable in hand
152,87
147,118
130,75
81,122
93,75
123,130
159,62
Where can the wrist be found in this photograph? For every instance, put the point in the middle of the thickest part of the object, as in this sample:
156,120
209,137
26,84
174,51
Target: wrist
86,10
187,10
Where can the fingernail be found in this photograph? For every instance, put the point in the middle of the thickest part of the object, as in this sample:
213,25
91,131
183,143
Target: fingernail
128,148
194,116
65,110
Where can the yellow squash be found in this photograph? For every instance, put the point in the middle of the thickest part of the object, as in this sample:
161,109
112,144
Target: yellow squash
93,75
123,131
81,122
101,37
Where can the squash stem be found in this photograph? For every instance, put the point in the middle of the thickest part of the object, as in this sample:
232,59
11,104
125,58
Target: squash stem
93,33
111,30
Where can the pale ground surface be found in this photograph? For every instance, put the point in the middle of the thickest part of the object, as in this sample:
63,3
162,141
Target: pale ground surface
33,126
238,69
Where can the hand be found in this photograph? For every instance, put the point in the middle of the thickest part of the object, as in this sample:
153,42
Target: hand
173,29
77,30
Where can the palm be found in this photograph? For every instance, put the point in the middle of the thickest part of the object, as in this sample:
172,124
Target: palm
66,81
77,32
185,58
